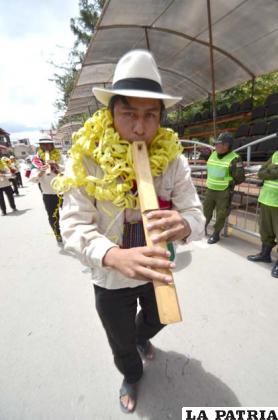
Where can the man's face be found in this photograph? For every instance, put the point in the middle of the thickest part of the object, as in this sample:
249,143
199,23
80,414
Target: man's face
222,148
137,120
47,147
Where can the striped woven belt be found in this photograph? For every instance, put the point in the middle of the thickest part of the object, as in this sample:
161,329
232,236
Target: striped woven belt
133,235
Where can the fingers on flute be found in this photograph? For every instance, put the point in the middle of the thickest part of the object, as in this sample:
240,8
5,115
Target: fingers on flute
168,235
159,263
155,275
158,214
158,251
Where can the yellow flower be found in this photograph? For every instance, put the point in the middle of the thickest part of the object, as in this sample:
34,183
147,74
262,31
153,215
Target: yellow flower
54,155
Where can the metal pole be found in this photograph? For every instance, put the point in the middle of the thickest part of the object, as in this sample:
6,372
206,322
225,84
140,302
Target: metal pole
147,39
248,154
212,69
194,153
253,90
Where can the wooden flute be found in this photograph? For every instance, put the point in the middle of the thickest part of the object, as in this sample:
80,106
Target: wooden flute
47,159
165,293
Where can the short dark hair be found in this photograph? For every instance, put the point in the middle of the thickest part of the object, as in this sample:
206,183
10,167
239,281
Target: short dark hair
124,100
114,100
225,138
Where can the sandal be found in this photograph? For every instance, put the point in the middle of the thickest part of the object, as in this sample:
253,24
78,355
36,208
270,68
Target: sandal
147,350
130,391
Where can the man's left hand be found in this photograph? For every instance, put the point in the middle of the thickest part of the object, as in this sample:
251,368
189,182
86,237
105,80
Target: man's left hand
172,225
54,166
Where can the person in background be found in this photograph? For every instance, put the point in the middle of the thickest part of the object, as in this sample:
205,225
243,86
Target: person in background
268,200
16,166
224,171
43,173
27,167
5,187
12,179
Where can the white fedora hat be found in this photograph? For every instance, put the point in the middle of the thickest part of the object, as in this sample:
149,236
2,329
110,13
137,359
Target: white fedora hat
136,75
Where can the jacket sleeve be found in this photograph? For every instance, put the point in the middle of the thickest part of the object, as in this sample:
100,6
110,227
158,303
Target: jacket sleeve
34,176
237,171
79,228
268,171
186,200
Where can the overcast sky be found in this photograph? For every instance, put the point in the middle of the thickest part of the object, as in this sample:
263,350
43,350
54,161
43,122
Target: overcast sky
32,34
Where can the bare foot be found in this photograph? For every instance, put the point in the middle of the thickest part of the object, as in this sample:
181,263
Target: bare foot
128,397
128,403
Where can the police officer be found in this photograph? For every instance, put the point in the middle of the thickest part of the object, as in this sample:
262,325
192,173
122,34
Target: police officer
225,170
268,200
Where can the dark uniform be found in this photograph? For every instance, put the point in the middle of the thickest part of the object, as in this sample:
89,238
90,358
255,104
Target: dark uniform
268,200
224,172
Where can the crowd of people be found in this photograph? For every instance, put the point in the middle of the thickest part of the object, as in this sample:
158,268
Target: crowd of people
10,182
37,170
100,221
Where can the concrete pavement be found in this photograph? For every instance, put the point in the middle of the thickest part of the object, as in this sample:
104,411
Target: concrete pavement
55,361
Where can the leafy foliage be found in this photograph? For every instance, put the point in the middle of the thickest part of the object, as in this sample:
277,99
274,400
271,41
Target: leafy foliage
83,28
84,25
264,86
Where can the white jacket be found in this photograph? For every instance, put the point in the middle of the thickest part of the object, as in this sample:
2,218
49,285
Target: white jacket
44,180
5,176
90,227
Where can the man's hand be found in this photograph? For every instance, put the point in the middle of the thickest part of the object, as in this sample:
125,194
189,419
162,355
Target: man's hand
54,166
42,170
172,225
140,263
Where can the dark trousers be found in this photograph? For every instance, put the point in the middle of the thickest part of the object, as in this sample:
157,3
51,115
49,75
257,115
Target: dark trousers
19,179
221,201
51,204
269,225
117,310
14,182
9,193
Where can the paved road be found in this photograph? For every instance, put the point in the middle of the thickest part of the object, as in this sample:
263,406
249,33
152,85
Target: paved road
56,364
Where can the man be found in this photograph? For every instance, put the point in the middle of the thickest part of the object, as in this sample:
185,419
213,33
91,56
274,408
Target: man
43,173
268,200
5,187
17,173
101,223
12,179
225,170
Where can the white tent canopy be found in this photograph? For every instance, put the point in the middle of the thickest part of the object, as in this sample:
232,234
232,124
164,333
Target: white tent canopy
244,35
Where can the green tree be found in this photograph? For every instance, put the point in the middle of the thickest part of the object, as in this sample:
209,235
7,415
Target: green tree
83,28
64,83
84,25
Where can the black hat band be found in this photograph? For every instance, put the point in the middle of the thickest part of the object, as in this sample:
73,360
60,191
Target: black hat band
138,83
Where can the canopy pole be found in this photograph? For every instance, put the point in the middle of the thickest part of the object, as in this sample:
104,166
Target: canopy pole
253,90
211,69
147,39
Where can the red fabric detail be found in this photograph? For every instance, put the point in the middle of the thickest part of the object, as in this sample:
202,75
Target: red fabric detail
134,187
164,204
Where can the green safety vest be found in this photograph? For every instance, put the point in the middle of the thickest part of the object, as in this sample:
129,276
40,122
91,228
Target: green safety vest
269,191
219,176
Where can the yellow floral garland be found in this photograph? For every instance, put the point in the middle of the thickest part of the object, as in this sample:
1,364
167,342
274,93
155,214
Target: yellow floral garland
54,155
98,140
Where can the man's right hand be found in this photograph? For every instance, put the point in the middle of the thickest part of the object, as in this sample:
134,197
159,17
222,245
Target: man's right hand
140,263
42,170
